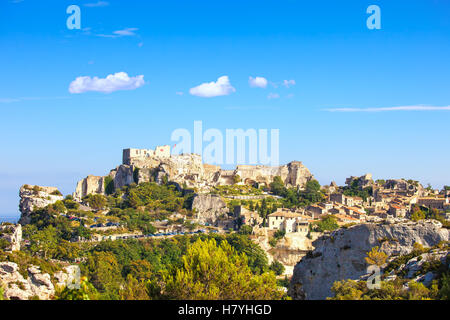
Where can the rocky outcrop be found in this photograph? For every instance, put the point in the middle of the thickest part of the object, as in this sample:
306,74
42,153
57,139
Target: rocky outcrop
414,269
16,287
208,208
340,255
403,186
293,174
361,182
13,234
35,197
90,184
289,250
35,283
188,170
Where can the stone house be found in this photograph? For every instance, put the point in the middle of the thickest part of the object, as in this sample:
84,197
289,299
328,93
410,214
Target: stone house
288,221
434,203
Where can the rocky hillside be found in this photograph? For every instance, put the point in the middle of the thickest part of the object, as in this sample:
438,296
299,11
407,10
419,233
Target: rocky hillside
34,284
12,234
32,197
340,255
189,170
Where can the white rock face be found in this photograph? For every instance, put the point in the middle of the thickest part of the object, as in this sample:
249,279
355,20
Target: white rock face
16,287
288,250
32,197
341,254
90,184
209,207
292,174
13,234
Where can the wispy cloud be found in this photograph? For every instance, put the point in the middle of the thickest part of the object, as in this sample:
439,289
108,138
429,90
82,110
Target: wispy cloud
401,108
113,82
273,96
97,4
127,32
221,87
288,83
21,99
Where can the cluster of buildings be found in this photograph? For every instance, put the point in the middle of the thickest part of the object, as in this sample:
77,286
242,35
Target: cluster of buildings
391,198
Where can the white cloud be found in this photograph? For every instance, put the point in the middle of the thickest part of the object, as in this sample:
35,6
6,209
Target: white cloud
288,83
97,4
222,87
120,33
257,82
273,96
113,82
126,32
401,108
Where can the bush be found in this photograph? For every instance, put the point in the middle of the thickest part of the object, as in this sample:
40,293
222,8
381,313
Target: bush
246,230
277,267
328,223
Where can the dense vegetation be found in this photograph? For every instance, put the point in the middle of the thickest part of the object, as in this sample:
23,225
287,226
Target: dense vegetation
294,197
202,266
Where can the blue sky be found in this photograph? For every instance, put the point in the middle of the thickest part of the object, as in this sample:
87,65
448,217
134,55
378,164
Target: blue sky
53,137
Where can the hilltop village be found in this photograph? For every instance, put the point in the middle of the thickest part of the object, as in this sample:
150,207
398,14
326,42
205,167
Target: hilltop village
283,210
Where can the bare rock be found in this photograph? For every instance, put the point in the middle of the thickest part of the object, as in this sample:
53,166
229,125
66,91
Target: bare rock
340,255
13,234
35,197
209,207
89,185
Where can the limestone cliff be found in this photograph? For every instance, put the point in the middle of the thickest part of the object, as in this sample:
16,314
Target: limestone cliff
13,234
189,170
34,283
90,184
32,197
340,255
293,174
208,208
288,251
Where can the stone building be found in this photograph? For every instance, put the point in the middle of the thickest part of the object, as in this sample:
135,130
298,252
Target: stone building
288,221
141,154
434,203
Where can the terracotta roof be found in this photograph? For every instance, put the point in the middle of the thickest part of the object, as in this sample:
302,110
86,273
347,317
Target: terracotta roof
286,214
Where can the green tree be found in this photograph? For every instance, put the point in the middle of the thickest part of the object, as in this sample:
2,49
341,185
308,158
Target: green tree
246,230
109,185
96,201
327,223
277,186
418,215
376,257
85,292
105,274
218,272
45,241
277,267
134,289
